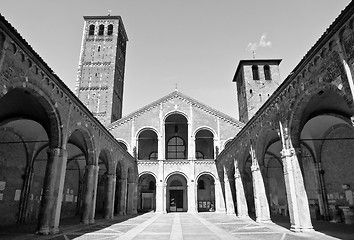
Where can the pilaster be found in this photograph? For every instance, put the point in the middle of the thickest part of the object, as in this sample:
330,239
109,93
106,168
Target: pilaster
230,207
299,211
49,196
241,202
123,199
260,197
111,178
219,199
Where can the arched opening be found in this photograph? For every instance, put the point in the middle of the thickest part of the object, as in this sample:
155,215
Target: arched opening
91,30
247,181
206,193
267,74
26,131
321,128
101,30
274,178
176,135
204,144
147,145
255,72
75,183
123,145
176,195
110,30
146,193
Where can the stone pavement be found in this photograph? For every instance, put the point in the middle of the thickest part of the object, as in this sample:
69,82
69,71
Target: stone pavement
175,226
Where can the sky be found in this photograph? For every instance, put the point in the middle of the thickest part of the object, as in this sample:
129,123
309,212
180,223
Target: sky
196,44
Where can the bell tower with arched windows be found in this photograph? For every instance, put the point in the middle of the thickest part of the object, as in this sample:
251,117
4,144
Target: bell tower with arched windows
100,76
255,80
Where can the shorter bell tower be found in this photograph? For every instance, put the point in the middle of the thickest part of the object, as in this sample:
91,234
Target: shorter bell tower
256,80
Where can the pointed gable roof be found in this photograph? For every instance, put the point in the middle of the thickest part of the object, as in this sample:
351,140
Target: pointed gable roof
179,95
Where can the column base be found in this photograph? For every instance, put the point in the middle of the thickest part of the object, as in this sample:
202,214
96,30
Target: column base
54,230
192,211
298,229
263,220
43,231
92,221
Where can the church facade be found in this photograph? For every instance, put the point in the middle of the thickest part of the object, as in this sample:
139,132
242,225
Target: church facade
65,155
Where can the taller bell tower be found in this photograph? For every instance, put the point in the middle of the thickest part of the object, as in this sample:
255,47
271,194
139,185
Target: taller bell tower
100,76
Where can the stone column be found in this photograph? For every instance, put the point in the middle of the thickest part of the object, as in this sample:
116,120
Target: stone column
123,199
135,198
59,191
260,197
219,199
241,202
88,197
230,207
129,198
111,178
299,211
94,195
48,197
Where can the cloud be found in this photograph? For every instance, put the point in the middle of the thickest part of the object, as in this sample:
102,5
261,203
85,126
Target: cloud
263,42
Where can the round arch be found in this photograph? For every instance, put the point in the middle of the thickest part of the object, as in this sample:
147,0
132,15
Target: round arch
176,192
82,138
30,95
175,112
142,129
205,192
123,143
147,191
200,128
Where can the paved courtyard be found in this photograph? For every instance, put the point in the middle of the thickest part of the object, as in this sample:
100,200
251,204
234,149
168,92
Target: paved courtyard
181,226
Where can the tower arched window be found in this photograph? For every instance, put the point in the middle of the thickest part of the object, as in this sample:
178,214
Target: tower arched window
91,30
176,148
101,30
267,74
110,30
255,72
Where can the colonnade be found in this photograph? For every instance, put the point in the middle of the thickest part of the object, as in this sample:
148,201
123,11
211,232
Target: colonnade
49,216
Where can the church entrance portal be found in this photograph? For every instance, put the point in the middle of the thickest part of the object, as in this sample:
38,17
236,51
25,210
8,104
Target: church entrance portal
176,194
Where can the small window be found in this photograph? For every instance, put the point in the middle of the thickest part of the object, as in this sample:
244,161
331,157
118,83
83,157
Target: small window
101,30
255,72
110,30
201,184
99,48
91,30
267,74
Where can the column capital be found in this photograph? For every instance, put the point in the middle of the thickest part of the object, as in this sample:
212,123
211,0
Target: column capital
54,151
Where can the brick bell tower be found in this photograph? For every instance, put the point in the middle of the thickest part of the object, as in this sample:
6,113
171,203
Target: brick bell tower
100,76
256,80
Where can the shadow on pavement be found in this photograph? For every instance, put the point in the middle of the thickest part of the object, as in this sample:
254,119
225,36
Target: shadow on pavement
67,225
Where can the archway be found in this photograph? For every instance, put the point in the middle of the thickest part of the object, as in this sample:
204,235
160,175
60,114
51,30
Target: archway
246,175
206,193
146,193
118,192
75,184
204,144
320,127
28,127
176,193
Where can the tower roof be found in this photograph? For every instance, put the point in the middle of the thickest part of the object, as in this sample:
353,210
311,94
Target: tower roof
255,62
